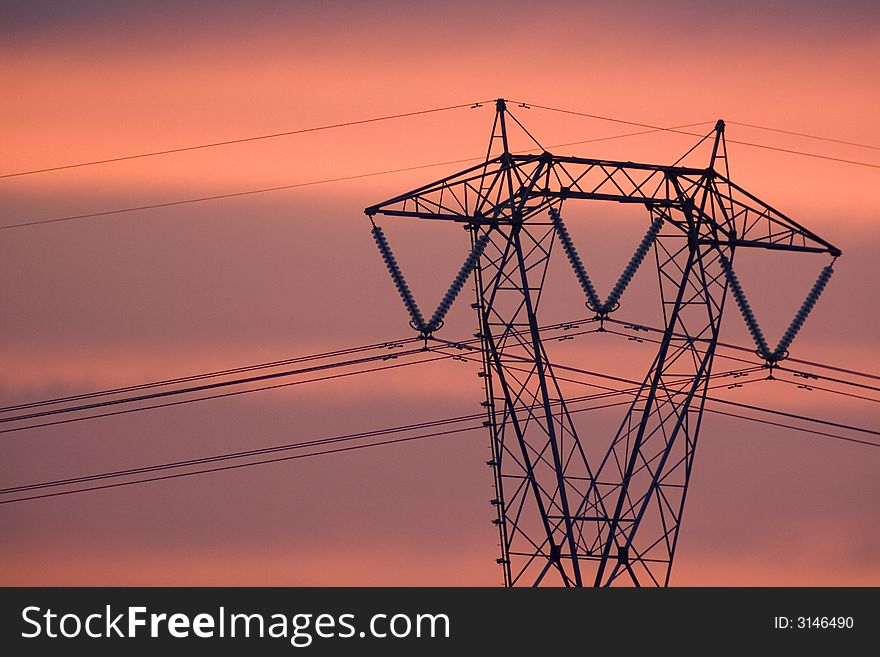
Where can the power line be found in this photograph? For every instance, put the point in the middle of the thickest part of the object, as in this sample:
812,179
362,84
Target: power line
316,443
771,423
235,455
797,373
238,392
238,465
299,445
335,439
716,400
803,134
218,396
404,341
274,375
276,448
203,460
693,134
619,379
208,375
266,190
600,117
400,343
729,402
205,386
240,140
626,134
792,151
820,377
217,197
633,392
153,206
383,368
653,329
810,386
287,133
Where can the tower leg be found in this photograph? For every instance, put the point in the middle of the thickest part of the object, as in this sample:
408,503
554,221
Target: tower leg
651,456
538,461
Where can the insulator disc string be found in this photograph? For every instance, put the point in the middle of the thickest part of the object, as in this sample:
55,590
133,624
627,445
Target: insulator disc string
633,265
575,260
763,349
418,321
613,300
801,316
458,282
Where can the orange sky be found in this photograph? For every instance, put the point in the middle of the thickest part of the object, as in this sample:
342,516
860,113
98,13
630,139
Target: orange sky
127,298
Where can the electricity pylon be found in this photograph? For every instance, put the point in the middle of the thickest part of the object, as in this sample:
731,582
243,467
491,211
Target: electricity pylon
563,518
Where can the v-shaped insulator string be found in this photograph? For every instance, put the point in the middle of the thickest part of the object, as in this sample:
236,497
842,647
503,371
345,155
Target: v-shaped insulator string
417,319
633,265
613,301
745,309
805,309
458,282
748,314
575,260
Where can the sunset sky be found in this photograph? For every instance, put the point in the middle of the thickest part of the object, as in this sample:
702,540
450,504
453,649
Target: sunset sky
127,298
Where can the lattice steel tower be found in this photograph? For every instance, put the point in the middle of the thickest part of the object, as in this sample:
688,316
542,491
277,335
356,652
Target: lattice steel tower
564,519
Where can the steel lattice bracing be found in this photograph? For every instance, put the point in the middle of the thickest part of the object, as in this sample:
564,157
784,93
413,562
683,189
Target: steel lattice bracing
563,518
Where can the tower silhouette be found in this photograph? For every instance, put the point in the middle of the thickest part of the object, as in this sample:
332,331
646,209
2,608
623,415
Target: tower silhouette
568,515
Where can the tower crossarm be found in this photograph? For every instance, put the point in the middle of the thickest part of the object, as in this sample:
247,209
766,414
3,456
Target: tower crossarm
480,193
728,215
731,217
